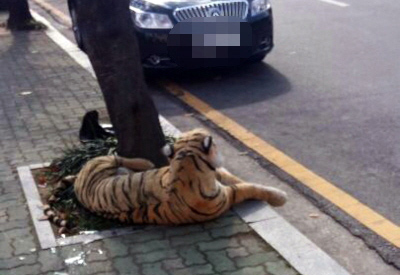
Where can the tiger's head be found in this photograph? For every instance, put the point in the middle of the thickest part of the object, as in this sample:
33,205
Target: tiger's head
194,151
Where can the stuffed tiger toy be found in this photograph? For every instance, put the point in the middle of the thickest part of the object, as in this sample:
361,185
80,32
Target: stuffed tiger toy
193,188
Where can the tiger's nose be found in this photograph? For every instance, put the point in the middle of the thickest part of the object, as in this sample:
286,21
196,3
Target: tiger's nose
183,154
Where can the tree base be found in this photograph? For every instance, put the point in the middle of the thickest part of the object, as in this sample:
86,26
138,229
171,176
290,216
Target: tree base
30,25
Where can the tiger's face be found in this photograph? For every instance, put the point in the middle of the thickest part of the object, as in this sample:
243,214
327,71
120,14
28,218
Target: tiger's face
195,149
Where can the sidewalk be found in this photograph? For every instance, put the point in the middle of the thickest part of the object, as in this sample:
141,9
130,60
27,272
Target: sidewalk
43,95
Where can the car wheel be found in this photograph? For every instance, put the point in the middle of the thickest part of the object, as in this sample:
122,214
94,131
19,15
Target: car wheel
75,28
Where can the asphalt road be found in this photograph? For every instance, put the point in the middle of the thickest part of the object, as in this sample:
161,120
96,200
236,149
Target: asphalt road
327,95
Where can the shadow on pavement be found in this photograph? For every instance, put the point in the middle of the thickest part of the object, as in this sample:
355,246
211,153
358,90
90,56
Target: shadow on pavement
230,87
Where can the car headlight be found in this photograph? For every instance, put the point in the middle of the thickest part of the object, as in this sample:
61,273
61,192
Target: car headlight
148,20
259,6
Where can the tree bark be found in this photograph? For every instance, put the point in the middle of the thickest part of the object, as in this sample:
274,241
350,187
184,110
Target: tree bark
19,14
111,44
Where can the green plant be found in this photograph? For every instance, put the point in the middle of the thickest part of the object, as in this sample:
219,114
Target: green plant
74,158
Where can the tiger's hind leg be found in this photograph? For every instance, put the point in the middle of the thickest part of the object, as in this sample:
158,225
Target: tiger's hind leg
135,164
226,178
247,191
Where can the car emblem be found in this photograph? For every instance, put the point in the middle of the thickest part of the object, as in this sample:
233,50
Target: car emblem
214,12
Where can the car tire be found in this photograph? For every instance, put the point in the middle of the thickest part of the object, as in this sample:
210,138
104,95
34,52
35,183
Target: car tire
75,27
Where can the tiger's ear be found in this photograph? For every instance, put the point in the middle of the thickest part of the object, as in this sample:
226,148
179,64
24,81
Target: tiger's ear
168,150
207,142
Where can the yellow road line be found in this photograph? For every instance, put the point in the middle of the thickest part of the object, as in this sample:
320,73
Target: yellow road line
359,211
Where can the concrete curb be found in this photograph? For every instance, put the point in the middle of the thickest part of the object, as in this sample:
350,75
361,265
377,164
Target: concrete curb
55,13
298,250
46,237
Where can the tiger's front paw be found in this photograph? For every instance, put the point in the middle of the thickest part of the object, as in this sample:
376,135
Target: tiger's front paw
276,197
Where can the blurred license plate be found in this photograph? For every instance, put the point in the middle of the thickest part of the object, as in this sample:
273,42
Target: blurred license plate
214,39
210,41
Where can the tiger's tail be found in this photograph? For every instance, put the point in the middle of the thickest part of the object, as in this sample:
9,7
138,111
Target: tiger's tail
65,185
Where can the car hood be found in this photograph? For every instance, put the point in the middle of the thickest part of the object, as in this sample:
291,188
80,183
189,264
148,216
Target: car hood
172,4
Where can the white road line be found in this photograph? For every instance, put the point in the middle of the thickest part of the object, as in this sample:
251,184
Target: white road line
336,3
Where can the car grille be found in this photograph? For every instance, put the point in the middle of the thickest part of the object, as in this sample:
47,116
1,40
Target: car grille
236,8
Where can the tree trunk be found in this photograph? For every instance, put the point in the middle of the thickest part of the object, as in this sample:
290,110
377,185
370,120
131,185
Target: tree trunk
19,14
111,44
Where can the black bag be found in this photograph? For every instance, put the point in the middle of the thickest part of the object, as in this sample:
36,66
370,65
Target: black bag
91,129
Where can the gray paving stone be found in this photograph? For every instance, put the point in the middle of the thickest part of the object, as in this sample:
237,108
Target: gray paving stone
22,270
279,267
183,230
218,244
253,244
125,265
77,269
69,251
149,246
116,247
18,213
191,239
95,255
60,272
106,273
9,228
16,232
97,267
95,252
18,261
194,270
152,269
10,198
258,270
23,245
144,237
230,230
50,261
6,250
223,221
257,259
156,256
220,261
191,255
3,219
173,264
237,252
